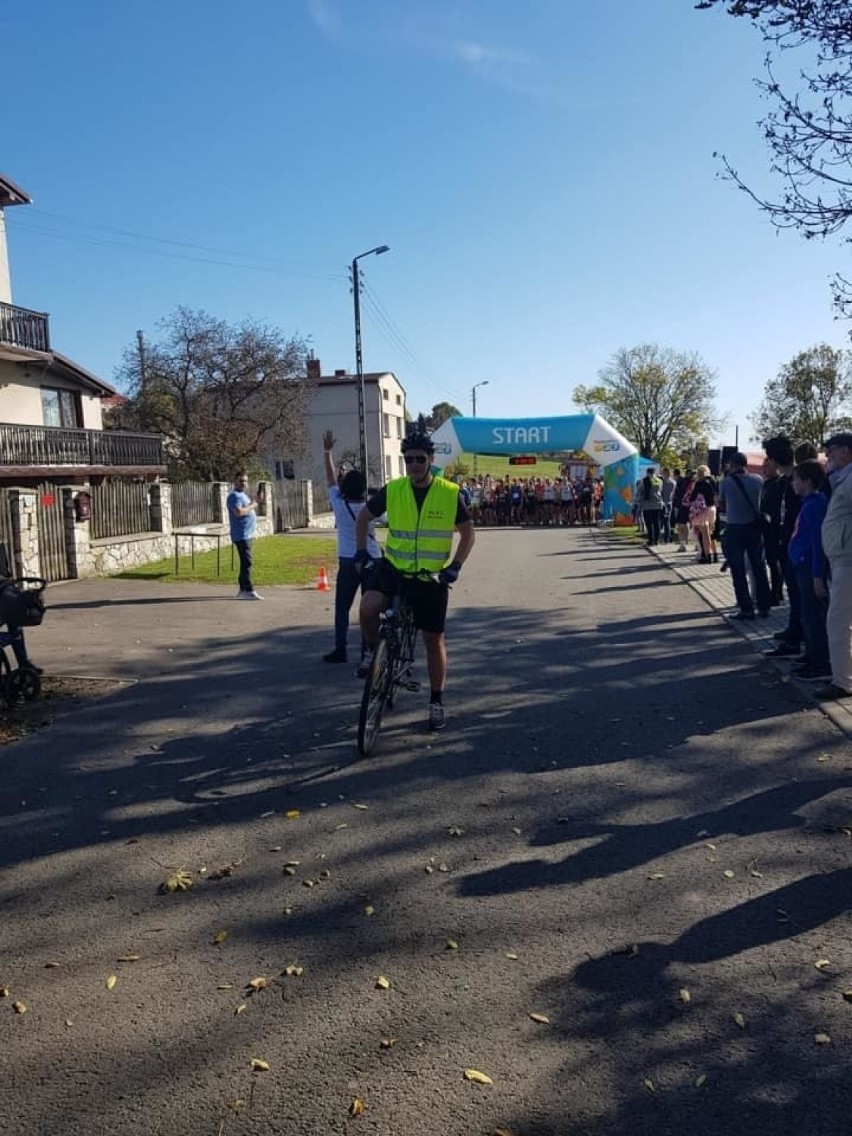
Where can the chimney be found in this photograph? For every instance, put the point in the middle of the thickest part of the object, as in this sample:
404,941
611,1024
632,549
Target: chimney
313,370
341,373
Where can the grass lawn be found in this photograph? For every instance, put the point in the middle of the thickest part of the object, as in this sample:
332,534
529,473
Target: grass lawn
281,559
499,467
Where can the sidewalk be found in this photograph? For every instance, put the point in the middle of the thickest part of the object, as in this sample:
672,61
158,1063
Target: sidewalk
717,591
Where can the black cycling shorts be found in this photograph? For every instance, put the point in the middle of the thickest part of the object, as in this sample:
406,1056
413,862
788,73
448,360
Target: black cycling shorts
427,600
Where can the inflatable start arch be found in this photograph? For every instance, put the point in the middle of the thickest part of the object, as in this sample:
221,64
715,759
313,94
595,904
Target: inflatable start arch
618,458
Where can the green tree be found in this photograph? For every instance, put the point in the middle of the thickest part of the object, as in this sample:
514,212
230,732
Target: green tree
222,395
441,411
810,397
659,399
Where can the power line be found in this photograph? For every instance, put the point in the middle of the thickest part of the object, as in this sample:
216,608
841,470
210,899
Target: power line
238,259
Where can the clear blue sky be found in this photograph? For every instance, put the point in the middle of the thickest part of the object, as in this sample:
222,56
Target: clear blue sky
544,176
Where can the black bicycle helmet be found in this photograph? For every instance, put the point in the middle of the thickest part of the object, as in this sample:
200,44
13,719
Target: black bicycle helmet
418,441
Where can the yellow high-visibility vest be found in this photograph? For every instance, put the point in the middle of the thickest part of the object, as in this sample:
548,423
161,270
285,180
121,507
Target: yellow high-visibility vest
421,541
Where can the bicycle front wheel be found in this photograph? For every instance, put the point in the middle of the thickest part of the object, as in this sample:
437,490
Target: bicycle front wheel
376,688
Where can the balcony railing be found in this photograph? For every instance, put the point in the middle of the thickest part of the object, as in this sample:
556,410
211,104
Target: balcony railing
55,446
19,327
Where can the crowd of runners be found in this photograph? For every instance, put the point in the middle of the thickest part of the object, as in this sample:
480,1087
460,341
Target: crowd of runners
528,501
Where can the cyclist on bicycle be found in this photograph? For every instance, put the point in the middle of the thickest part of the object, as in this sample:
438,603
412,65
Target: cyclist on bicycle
422,512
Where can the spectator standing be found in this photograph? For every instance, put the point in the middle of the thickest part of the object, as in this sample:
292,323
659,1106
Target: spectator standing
780,451
346,495
739,500
770,514
681,499
669,486
808,561
702,514
651,504
837,544
242,519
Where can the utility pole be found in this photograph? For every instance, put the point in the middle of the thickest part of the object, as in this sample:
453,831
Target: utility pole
359,361
143,360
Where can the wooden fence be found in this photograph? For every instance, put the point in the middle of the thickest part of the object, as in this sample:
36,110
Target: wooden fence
291,505
119,508
194,503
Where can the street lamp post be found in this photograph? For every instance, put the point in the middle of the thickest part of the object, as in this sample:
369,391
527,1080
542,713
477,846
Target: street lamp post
484,383
359,362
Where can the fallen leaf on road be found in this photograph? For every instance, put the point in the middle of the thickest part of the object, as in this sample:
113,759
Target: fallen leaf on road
356,1108
511,955
293,814
649,1085
5,991
258,983
128,958
293,971
220,937
259,1066
701,1080
388,1042
225,986
477,1077
359,806
454,830
338,827
180,880
657,876
69,1024
516,831
822,1039
542,1018
19,1007
52,965
452,945
684,996
728,874
740,1019
369,910
382,983
821,964
110,982
241,1008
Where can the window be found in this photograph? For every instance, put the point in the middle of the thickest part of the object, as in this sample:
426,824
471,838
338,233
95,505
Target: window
385,395
402,467
399,427
399,400
60,407
386,425
388,467
284,470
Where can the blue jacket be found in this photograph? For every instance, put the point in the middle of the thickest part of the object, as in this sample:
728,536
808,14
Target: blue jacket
805,545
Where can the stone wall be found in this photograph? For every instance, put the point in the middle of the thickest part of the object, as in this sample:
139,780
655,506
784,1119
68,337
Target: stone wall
109,555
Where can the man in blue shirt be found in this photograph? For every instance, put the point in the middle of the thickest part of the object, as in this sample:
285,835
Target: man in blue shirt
241,515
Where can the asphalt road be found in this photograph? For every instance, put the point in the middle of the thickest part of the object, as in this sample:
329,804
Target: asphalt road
631,827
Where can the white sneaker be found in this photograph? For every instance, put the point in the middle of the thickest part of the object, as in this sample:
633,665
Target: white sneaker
436,716
249,596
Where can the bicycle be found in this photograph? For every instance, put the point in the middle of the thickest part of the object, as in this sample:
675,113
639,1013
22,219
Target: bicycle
390,669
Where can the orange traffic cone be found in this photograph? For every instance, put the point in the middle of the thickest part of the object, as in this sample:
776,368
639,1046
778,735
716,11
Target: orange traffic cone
323,584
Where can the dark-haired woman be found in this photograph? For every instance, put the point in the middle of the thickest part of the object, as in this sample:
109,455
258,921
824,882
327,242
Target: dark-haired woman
346,495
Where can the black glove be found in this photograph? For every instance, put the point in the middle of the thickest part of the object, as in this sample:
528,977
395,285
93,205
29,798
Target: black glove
360,560
450,574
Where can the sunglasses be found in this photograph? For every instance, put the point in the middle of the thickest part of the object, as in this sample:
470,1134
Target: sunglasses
415,459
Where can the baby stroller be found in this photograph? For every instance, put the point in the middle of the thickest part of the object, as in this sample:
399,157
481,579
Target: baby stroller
21,605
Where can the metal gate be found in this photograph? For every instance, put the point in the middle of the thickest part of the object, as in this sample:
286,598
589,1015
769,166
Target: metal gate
53,552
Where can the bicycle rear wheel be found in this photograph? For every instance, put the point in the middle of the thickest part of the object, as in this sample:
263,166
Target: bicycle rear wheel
376,688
